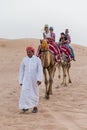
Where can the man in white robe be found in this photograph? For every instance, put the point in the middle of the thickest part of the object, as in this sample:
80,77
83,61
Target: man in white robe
31,75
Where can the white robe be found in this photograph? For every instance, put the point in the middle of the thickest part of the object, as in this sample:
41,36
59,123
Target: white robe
30,72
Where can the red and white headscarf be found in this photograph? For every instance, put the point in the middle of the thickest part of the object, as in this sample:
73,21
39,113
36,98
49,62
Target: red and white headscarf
29,48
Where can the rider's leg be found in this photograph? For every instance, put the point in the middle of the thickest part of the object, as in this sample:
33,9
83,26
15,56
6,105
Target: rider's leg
72,53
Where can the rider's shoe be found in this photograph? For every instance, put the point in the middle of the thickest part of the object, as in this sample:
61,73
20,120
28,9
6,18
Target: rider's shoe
73,59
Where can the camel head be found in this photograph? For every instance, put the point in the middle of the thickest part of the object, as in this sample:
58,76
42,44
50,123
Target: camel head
44,45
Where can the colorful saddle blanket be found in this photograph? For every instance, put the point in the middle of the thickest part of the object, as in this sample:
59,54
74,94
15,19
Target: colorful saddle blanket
65,51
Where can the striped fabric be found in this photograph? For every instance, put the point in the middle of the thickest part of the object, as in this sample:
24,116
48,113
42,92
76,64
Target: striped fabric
66,52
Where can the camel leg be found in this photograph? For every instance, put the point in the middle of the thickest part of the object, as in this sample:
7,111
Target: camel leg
59,65
59,70
46,81
51,75
64,75
69,73
50,85
54,71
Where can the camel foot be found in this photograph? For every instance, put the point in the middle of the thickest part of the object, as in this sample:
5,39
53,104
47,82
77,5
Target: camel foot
70,81
62,83
65,85
47,97
57,87
50,93
59,76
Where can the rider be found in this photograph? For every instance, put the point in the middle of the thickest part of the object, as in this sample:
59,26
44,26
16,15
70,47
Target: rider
67,36
46,33
68,42
52,34
64,41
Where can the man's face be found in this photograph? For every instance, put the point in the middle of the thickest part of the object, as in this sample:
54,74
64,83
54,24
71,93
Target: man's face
51,30
46,29
30,53
62,36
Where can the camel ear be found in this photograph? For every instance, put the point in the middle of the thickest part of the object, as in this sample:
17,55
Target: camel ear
40,41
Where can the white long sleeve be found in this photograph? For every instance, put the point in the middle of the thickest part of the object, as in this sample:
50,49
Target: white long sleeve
21,73
39,71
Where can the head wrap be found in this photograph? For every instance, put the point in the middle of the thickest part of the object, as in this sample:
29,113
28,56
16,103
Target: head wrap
30,49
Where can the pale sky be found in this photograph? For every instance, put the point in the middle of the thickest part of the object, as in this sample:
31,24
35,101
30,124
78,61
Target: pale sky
26,18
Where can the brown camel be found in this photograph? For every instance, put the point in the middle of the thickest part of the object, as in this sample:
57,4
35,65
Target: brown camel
48,63
65,67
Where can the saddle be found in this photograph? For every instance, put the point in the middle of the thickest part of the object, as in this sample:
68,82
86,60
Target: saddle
66,53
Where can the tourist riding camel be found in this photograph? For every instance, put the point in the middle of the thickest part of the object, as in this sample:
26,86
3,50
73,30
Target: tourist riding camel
68,43
52,34
64,43
65,50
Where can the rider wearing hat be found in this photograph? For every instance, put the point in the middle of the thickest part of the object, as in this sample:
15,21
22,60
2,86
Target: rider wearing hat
46,33
52,34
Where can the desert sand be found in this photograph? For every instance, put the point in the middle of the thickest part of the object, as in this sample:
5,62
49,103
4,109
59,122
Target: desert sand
67,107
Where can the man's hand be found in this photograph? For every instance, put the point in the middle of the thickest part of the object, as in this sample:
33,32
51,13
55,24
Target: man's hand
20,84
39,83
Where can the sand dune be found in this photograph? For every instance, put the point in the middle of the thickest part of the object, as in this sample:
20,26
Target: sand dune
67,107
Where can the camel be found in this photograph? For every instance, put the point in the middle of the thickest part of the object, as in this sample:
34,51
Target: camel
65,67
48,63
